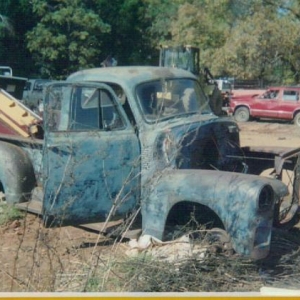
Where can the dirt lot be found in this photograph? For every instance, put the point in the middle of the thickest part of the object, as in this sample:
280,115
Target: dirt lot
265,133
65,259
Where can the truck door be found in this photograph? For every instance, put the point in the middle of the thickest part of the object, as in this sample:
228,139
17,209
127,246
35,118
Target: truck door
289,103
266,105
91,155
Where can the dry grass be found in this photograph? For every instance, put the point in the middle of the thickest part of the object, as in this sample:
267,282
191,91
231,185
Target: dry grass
217,272
67,259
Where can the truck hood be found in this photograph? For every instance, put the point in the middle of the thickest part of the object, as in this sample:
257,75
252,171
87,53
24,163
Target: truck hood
211,144
248,97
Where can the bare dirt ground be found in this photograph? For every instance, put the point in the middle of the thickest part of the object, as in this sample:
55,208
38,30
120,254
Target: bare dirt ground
37,259
265,133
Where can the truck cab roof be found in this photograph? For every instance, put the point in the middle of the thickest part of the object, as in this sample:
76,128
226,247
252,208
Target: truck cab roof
129,76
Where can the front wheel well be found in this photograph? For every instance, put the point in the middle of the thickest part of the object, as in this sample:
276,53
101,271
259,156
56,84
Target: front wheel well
189,216
2,192
242,113
240,106
295,113
1,187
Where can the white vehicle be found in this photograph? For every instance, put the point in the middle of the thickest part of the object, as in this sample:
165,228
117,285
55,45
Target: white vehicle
224,85
6,71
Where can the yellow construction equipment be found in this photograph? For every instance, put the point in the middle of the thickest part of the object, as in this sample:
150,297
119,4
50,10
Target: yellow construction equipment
15,117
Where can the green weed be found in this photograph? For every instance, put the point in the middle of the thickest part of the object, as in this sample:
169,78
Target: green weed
9,213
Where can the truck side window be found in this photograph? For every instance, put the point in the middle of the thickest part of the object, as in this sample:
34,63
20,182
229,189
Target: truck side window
54,109
94,109
289,95
124,102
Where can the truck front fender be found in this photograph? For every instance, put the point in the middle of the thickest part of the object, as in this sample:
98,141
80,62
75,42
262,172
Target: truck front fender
16,173
244,203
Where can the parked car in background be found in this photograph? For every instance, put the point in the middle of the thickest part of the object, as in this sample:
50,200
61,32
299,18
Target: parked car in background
280,103
33,92
6,71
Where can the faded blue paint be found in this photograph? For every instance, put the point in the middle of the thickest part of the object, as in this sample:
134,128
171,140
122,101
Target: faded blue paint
33,148
183,158
128,77
83,180
89,172
16,173
199,141
232,196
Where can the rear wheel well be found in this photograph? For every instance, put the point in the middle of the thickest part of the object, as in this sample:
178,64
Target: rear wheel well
17,175
187,217
240,106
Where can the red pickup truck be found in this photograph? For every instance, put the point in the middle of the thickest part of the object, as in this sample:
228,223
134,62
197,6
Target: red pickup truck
280,103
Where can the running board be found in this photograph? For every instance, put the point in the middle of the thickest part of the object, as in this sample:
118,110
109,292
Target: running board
35,207
108,227
32,206
102,227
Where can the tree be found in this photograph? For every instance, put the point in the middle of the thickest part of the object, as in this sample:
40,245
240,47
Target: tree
201,23
241,38
160,15
204,23
264,45
16,20
67,37
127,41
5,26
6,30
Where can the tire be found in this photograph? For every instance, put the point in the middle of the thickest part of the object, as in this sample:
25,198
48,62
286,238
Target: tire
242,114
296,119
286,209
216,102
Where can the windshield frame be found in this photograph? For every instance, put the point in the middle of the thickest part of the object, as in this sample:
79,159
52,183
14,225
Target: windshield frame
173,98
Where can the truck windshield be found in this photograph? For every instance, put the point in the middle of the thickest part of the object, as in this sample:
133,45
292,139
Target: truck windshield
164,99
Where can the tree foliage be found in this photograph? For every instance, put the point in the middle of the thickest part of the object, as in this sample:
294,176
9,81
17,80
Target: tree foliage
67,38
261,46
240,38
5,26
160,14
16,20
127,40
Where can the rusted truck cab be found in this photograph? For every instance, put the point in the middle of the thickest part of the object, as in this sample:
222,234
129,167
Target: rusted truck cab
123,139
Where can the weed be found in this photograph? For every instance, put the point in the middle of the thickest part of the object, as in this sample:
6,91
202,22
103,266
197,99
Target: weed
9,213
